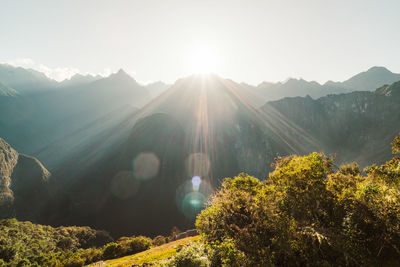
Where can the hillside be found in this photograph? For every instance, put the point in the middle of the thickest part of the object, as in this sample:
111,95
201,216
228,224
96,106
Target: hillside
24,185
151,257
25,81
201,126
198,127
354,126
7,91
111,161
32,123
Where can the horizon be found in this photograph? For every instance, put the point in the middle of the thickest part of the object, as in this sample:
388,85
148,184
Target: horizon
202,133
265,41
102,75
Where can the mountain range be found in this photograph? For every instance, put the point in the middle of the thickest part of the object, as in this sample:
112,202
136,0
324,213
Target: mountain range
364,81
148,157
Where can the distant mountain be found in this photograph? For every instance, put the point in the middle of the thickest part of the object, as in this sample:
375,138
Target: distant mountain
371,79
354,126
200,126
63,117
79,79
24,185
25,81
291,87
119,154
365,81
156,88
118,89
208,106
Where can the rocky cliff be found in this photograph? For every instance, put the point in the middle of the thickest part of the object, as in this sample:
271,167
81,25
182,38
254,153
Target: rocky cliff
355,126
23,184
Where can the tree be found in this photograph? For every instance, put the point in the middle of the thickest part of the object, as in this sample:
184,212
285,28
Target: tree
112,250
306,214
159,240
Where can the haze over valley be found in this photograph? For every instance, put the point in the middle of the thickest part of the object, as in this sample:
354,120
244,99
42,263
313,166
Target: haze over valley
187,133
112,144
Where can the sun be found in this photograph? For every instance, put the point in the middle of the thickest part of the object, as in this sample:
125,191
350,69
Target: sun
203,59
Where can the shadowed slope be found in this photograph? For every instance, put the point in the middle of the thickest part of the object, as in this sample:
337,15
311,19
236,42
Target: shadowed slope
24,188
355,126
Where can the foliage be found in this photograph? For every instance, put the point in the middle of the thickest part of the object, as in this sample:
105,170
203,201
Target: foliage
22,242
113,250
159,240
306,214
192,255
139,243
396,145
153,256
126,246
27,244
390,171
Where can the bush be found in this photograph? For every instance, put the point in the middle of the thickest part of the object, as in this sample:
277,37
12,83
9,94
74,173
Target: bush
126,246
306,214
139,243
91,255
42,245
193,255
113,250
159,240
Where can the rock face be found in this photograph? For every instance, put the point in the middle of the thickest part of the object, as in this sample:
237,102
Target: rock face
8,160
358,126
23,184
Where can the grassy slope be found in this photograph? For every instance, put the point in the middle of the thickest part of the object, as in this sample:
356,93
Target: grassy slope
152,255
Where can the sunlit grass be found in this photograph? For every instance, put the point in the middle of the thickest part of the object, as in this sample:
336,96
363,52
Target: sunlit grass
152,255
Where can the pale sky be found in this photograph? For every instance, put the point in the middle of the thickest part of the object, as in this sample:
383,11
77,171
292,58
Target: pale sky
245,40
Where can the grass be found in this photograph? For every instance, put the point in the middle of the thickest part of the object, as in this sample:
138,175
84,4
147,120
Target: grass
150,256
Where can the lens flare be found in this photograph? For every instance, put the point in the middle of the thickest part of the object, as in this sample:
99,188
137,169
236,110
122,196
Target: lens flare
124,185
192,195
197,164
192,204
196,181
146,165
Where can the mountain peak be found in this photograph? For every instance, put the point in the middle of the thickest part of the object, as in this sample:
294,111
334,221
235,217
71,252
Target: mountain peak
121,75
371,79
265,84
121,72
379,69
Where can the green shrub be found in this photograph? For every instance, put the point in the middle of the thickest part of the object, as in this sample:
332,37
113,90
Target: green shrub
139,243
44,245
159,240
113,250
306,214
193,255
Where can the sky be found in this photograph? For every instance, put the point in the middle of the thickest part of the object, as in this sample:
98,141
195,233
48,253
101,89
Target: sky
244,40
